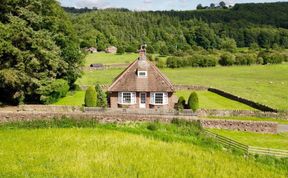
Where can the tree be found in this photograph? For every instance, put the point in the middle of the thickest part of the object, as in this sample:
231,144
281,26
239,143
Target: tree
222,4
39,52
101,97
212,6
91,97
193,101
199,6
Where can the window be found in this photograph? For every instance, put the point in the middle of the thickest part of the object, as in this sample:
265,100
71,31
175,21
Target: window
126,97
142,74
159,98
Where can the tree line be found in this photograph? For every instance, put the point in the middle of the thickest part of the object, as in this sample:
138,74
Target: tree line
167,32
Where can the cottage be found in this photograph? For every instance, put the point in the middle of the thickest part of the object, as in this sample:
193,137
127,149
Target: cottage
111,49
141,85
91,50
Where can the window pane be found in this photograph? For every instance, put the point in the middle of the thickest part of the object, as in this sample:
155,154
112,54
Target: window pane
158,98
127,98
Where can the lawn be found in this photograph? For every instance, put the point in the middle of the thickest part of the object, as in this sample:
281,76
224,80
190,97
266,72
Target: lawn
105,152
278,141
72,99
108,59
209,100
280,121
265,84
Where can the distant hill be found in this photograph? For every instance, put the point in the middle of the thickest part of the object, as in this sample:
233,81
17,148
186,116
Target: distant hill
167,32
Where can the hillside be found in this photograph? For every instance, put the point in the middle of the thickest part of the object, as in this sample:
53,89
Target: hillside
171,31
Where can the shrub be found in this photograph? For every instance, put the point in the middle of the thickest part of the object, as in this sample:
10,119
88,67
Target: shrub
271,57
53,91
181,103
152,126
120,50
245,59
227,59
101,97
160,63
193,102
164,51
130,49
91,97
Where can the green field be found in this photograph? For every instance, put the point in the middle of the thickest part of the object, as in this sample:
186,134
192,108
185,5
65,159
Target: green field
265,84
105,151
278,141
209,100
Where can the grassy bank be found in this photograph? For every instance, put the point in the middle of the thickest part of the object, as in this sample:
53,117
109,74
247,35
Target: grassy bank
278,141
280,121
89,149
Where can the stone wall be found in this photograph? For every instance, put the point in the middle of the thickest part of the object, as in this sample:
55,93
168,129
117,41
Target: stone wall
262,127
249,126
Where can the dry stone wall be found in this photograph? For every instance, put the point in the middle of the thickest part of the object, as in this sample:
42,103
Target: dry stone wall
262,127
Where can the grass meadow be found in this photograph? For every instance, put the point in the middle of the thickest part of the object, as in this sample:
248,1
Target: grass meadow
108,59
266,84
278,141
44,149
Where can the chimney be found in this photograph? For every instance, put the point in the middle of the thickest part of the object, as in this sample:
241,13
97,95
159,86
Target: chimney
142,52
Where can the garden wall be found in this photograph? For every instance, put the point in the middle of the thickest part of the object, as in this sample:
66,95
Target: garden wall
262,127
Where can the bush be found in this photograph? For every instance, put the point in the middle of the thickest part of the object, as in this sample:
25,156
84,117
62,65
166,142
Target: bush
120,50
53,91
130,49
193,102
164,51
181,103
91,97
160,63
245,59
272,57
101,97
152,126
227,59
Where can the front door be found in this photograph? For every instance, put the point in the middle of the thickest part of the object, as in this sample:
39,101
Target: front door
142,100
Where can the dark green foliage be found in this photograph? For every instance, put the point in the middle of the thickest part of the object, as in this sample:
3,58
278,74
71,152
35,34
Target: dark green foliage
38,50
227,59
272,57
101,97
91,97
181,103
193,101
51,91
245,59
120,50
196,60
188,127
152,126
160,63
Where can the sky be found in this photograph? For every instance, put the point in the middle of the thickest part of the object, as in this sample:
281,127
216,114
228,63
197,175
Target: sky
151,4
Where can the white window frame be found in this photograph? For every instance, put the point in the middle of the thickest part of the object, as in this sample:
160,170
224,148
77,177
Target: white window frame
153,98
121,98
142,76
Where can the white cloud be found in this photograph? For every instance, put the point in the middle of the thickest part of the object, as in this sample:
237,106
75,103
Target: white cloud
147,1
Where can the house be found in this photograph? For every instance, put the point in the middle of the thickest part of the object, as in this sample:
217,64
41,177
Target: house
141,85
111,49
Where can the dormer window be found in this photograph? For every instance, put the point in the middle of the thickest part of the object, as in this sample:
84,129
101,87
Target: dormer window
142,74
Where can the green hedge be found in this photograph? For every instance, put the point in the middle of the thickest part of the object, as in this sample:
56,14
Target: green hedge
91,97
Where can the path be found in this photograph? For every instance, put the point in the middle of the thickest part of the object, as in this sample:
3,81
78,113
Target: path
282,128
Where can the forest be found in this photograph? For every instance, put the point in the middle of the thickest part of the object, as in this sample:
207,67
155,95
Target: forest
244,25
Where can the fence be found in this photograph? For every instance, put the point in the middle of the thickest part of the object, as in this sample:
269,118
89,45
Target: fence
246,148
